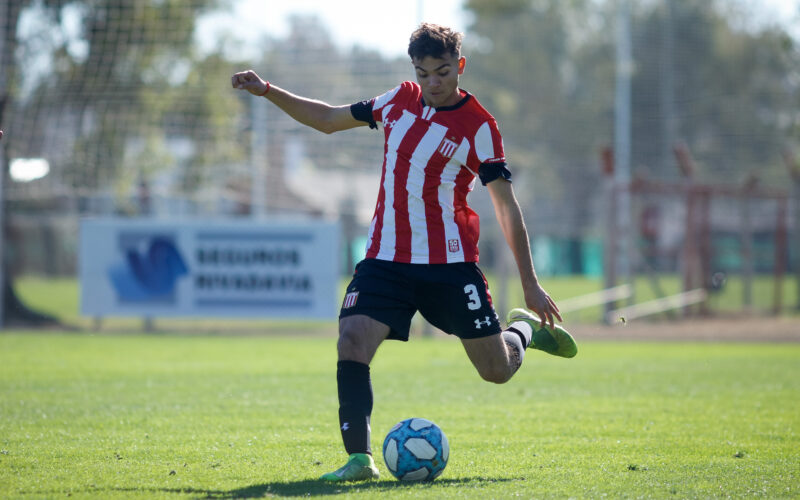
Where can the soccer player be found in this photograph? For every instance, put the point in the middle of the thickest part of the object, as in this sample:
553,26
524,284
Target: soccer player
422,249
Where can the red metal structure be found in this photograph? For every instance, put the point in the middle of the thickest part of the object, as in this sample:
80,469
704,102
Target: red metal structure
696,250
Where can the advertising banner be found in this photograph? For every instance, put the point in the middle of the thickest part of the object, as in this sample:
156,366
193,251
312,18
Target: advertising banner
202,268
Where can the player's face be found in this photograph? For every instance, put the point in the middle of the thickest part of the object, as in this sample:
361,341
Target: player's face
438,78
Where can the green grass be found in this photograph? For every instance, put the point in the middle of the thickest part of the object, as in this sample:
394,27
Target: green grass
60,297
729,300
244,417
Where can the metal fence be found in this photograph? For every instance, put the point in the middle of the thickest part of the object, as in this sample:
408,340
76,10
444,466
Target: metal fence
112,108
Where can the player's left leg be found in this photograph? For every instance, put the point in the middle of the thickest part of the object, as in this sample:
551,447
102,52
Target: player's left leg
556,340
499,356
496,357
456,299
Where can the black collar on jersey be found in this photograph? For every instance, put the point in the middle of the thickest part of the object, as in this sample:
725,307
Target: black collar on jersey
457,105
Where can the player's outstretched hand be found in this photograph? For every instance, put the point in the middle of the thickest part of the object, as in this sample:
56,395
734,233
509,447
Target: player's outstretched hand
249,81
538,301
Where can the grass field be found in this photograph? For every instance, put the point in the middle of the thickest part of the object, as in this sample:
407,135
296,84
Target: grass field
61,297
178,416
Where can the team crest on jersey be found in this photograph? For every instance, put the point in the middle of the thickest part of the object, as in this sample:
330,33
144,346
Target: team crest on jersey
350,300
453,246
448,147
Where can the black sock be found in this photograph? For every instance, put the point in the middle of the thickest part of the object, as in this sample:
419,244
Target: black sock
355,405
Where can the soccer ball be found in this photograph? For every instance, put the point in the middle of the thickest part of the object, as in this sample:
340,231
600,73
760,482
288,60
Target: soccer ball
416,449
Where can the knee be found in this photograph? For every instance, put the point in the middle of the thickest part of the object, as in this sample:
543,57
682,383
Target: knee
359,338
354,344
496,374
490,357
349,343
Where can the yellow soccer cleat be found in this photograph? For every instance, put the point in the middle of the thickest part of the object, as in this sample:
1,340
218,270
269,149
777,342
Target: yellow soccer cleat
555,341
359,467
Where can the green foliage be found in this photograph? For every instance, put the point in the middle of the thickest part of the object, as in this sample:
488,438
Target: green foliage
546,70
135,83
308,63
730,88
546,74
198,417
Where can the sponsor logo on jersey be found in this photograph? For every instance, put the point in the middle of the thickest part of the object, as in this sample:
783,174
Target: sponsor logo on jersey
350,300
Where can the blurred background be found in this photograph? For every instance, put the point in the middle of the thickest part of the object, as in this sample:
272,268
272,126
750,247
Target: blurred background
655,144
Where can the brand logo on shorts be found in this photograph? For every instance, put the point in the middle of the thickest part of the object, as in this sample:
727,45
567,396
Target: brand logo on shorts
350,300
487,321
453,246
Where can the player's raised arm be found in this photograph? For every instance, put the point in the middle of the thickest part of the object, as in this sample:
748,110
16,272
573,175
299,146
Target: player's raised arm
315,114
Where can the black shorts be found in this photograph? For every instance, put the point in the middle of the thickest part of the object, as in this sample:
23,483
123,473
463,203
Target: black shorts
453,297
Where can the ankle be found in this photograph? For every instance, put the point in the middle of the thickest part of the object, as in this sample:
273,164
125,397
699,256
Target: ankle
524,330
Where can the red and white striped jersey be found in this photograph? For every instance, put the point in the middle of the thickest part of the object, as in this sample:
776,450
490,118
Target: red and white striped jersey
431,160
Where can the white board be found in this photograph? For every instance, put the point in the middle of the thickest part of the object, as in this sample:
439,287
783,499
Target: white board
209,268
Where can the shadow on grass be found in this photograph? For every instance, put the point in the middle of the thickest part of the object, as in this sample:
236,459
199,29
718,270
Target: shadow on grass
315,487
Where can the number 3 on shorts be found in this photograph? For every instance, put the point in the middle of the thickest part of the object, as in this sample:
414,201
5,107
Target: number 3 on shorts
474,299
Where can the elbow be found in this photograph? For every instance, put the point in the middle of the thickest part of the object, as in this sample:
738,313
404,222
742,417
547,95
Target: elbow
326,122
326,127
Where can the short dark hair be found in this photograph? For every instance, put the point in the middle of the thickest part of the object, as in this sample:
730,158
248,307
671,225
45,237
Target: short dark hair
435,41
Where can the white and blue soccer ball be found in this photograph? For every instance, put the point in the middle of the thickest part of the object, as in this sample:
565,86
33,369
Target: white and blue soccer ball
416,449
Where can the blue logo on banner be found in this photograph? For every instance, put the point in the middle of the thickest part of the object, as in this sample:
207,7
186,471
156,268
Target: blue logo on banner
150,269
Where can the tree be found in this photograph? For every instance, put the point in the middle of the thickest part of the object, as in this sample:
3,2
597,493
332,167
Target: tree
89,105
547,76
545,68
734,89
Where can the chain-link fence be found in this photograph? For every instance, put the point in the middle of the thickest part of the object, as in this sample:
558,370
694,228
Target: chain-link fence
114,107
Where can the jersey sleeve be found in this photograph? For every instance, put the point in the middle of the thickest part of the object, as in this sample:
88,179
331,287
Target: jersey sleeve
362,111
489,143
489,172
490,154
371,111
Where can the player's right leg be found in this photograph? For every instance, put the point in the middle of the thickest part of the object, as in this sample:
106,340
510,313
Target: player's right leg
359,467
374,308
359,339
